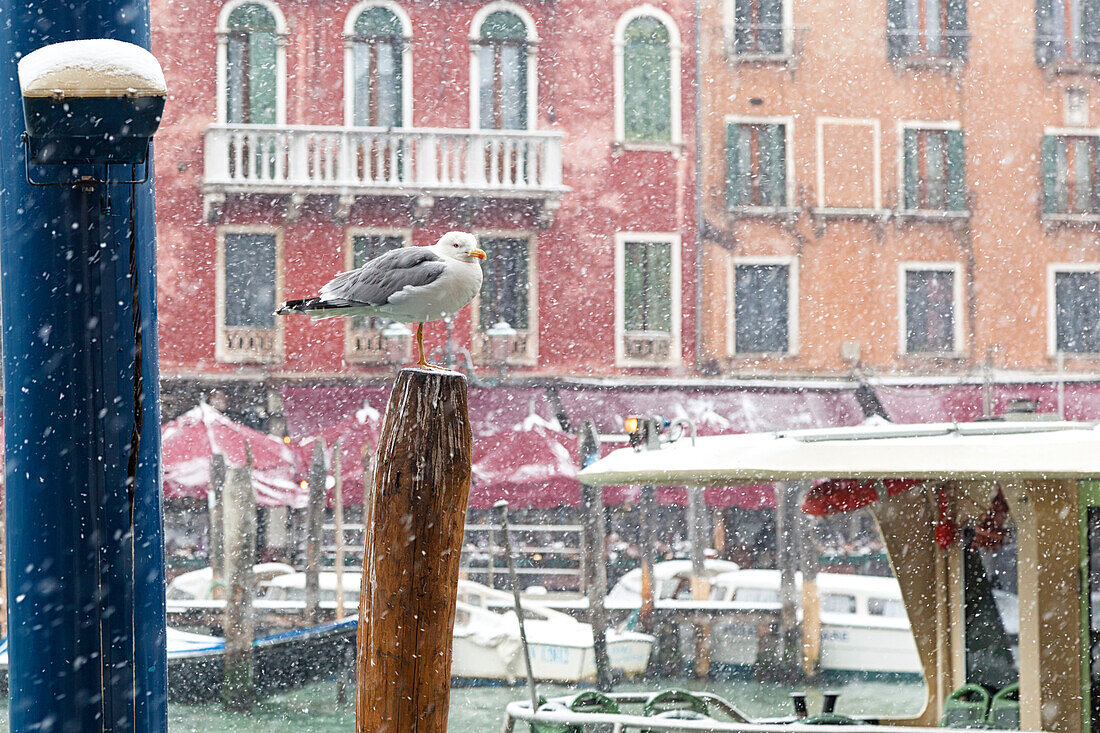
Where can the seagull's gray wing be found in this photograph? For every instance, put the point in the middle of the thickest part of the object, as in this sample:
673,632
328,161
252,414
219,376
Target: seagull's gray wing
386,275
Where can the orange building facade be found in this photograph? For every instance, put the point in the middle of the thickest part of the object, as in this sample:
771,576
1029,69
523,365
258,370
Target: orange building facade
906,186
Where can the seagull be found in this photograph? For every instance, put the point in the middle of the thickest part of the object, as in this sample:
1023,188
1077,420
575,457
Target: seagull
409,284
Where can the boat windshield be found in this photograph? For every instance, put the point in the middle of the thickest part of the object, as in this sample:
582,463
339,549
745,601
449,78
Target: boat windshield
992,617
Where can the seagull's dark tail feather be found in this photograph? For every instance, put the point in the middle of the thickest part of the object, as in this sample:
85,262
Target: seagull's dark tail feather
315,307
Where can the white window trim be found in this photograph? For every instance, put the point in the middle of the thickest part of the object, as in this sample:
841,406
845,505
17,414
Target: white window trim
222,30
791,261
903,126
532,294
406,59
876,150
220,354
957,310
1052,322
532,61
729,19
1072,131
788,137
674,48
621,238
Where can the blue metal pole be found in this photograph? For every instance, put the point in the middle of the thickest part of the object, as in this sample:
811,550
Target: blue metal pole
86,619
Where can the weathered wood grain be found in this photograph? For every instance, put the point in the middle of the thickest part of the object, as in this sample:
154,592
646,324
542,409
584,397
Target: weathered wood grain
414,518
238,688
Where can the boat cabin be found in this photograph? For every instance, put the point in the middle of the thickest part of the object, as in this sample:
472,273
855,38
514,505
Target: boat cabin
992,529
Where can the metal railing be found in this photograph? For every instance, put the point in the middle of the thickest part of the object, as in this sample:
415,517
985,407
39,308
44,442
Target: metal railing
559,563
349,160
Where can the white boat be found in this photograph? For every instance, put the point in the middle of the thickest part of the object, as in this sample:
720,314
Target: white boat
487,642
863,623
199,585
486,633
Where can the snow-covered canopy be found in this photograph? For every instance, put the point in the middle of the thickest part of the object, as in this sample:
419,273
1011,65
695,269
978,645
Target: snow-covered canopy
986,450
98,67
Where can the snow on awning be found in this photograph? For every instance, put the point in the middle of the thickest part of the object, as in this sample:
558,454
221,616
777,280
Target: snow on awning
987,450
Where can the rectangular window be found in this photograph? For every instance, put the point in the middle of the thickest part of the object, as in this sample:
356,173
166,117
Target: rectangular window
1077,311
1067,31
758,28
838,603
250,280
508,295
648,312
926,29
1070,181
251,77
248,290
761,300
365,247
935,170
930,311
647,277
756,164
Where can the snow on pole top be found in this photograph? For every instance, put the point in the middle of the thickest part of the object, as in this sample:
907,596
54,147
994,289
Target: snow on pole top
97,67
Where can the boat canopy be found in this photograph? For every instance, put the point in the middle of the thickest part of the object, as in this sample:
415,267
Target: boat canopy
949,451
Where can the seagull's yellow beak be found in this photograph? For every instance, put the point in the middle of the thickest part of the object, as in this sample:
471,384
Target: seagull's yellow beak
475,252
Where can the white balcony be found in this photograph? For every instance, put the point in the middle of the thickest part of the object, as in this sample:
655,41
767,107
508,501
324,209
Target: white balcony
351,162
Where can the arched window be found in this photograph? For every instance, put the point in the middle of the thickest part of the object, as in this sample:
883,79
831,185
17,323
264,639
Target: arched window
377,69
502,72
647,51
252,66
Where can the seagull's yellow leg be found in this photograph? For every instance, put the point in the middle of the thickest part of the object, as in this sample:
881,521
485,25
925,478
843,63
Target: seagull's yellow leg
421,361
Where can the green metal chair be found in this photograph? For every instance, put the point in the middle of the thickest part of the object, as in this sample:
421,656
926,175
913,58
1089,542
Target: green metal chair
1004,708
966,707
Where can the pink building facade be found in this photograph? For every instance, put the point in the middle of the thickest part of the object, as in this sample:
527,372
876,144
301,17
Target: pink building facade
301,137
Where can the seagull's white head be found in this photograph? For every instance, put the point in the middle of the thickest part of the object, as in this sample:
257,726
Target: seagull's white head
461,246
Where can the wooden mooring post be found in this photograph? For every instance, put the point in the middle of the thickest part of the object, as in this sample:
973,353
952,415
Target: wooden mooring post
238,685
215,505
315,510
414,521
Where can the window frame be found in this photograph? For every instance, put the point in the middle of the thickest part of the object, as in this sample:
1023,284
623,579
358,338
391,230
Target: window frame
790,188
729,26
351,355
792,264
676,245
532,41
958,335
479,346
1047,57
1053,217
233,356
949,57
222,30
944,213
875,125
406,59
1052,306
675,50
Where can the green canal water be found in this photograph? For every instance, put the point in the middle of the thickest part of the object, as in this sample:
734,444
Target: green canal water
480,709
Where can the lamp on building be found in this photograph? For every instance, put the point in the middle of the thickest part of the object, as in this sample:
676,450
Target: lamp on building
396,339
502,339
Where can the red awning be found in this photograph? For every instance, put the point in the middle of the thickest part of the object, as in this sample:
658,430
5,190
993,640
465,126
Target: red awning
834,496
189,441
532,466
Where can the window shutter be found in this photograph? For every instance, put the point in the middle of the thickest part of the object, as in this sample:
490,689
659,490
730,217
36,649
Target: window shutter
742,26
1094,143
1046,33
956,171
261,78
771,31
1090,32
733,166
773,164
1050,174
659,294
956,30
897,40
634,286
911,182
